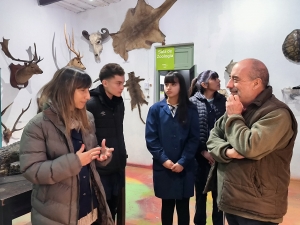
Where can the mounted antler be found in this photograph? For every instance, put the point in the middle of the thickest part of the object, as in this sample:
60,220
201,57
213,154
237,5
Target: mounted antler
96,40
35,58
22,73
76,61
7,133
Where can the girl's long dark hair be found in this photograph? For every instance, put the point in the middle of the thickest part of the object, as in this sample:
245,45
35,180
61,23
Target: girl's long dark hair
59,92
183,100
193,88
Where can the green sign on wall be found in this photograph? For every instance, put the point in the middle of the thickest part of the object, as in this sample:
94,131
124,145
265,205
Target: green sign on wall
165,58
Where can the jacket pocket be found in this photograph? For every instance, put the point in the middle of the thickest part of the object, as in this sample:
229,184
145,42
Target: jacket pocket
42,193
211,182
257,185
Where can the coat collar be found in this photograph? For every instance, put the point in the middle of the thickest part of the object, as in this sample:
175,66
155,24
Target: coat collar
104,99
263,96
201,97
163,103
51,115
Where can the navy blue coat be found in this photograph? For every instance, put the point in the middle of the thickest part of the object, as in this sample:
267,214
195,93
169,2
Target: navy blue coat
167,139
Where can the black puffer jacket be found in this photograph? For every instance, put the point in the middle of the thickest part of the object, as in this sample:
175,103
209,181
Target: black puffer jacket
109,115
207,117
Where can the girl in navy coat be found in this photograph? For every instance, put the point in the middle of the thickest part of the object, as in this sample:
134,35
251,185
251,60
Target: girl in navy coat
172,137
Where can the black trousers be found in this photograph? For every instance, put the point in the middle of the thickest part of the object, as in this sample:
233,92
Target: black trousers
113,204
182,208
237,220
113,183
201,199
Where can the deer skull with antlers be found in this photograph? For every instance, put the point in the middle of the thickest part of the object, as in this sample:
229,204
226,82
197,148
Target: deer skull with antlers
7,133
76,61
30,67
96,40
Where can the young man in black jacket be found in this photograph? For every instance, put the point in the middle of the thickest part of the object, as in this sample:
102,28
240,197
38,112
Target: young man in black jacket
107,106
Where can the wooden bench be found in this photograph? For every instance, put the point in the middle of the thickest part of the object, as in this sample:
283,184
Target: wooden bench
15,198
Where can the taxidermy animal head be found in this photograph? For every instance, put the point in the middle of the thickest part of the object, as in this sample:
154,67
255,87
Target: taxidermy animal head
96,40
230,66
135,92
76,61
140,28
7,133
30,66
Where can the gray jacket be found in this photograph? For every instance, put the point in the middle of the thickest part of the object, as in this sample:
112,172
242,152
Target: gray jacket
47,160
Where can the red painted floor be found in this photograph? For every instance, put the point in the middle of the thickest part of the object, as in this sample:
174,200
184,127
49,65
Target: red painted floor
142,208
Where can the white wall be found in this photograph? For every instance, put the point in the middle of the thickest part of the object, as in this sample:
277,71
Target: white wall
24,22
221,30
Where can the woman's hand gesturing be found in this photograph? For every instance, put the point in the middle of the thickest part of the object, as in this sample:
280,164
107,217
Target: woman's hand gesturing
105,151
86,157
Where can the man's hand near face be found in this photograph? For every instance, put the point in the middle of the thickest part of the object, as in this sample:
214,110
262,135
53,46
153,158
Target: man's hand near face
234,105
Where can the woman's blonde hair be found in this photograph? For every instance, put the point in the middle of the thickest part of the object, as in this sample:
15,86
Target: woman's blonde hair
59,93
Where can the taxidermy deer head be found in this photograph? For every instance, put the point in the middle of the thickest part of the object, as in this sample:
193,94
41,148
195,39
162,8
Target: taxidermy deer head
96,40
76,61
30,67
7,133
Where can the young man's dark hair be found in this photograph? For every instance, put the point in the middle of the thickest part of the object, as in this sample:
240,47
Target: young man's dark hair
107,106
110,70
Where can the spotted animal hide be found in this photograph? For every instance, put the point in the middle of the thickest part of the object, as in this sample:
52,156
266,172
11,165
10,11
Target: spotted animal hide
140,28
135,92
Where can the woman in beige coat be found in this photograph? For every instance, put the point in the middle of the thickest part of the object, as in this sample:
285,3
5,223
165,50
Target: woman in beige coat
59,153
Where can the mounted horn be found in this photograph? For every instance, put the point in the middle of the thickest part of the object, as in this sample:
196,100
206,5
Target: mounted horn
105,33
96,40
86,35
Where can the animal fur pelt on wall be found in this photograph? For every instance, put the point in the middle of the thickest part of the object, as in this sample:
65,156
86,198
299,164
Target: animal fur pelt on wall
135,92
140,28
